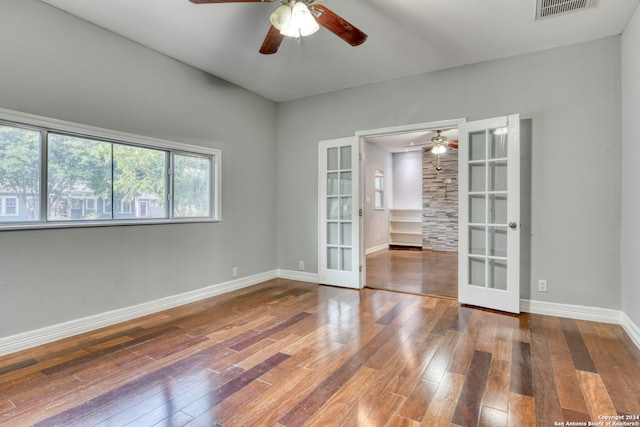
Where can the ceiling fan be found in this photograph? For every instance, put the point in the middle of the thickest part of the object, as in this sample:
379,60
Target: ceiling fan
438,145
298,18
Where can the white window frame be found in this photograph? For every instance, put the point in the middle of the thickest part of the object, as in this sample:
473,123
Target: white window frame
93,209
126,204
379,175
3,206
46,125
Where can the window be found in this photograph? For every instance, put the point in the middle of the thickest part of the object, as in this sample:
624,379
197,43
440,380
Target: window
379,189
8,206
191,186
20,168
97,177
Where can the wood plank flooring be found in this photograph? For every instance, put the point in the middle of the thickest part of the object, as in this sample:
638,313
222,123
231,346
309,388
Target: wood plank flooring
414,271
287,353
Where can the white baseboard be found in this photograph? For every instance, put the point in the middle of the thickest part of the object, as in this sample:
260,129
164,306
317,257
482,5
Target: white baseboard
579,312
41,336
376,249
631,329
301,276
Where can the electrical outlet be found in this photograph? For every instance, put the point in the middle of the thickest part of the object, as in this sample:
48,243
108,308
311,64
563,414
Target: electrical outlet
300,265
542,285
235,272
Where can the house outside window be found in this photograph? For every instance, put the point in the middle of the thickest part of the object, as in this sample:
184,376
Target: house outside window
9,206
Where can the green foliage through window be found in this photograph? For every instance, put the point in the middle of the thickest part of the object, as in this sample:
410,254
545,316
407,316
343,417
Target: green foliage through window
91,179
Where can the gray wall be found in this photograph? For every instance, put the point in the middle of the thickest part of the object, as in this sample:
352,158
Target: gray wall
630,169
58,66
377,220
571,95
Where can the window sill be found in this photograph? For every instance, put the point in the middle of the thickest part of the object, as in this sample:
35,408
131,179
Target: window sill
92,224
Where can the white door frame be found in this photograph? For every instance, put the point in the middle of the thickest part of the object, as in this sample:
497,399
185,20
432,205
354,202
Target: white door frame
394,130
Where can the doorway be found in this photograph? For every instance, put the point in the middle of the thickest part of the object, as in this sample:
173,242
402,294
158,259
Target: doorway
411,239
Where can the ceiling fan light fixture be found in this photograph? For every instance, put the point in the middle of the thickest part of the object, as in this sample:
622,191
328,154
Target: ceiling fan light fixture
302,23
439,149
281,18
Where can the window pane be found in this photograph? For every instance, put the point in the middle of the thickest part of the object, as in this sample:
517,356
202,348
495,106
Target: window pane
19,174
78,169
191,186
139,182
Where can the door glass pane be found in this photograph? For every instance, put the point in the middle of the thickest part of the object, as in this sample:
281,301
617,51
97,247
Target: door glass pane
345,235
346,259
333,208
345,207
345,183
477,240
498,274
345,157
498,241
477,177
332,159
332,233
498,176
476,272
477,208
498,209
332,183
333,259
498,147
477,142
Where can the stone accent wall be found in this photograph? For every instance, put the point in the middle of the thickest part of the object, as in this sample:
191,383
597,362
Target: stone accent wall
440,202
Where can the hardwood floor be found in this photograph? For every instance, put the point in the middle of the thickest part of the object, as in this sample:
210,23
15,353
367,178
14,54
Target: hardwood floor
414,271
291,353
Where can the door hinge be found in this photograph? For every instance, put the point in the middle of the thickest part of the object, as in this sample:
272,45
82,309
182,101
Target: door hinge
360,156
360,212
360,269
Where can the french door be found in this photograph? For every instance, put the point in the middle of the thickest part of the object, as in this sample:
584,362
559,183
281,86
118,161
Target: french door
339,216
489,212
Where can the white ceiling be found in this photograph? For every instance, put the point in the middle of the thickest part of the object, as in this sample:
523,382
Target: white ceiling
406,37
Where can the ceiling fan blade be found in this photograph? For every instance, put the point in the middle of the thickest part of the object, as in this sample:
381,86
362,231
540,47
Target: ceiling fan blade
272,41
338,26
453,143
227,1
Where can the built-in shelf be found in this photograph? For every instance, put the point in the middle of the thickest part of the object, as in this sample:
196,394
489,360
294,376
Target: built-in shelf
405,227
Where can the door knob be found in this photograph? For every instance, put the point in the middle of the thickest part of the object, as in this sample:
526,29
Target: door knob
513,225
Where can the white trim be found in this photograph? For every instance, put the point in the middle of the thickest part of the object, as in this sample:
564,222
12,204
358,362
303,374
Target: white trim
580,312
631,329
48,334
377,248
301,276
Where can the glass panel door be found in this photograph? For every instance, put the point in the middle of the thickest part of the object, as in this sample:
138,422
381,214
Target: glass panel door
489,211
338,188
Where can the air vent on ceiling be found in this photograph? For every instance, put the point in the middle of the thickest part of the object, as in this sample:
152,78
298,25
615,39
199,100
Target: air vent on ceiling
550,8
